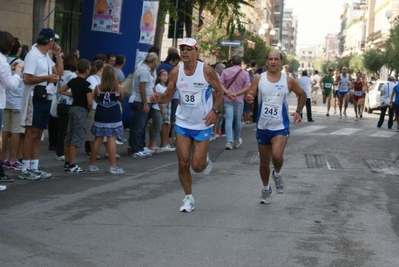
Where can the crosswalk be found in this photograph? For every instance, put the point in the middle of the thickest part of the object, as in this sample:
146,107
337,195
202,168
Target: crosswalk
323,130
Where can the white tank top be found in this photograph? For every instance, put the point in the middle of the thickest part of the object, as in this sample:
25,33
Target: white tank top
344,86
273,102
195,95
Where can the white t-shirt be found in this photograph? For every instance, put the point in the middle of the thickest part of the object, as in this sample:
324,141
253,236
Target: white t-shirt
306,84
160,89
316,78
94,80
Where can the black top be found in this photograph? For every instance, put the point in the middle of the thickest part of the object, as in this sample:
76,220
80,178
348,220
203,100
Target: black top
79,88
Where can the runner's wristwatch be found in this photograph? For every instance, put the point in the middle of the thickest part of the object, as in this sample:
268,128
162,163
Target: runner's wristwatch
216,111
299,112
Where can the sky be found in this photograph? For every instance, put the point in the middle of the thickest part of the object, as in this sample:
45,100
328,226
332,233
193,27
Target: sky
316,19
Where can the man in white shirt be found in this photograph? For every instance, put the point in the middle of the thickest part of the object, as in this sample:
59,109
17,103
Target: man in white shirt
39,70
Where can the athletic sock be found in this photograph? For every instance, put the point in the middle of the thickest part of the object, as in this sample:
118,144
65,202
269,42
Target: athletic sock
25,165
34,164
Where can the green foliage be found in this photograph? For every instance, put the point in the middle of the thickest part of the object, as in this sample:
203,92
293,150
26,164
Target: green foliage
292,62
356,64
343,62
208,42
227,12
373,60
258,53
391,56
320,64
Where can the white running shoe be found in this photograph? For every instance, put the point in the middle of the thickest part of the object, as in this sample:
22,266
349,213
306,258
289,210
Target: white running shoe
168,148
3,187
238,143
208,167
148,150
188,204
345,114
60,158
266,196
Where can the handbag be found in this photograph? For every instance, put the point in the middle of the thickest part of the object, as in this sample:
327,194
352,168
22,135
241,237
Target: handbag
127,85
40,92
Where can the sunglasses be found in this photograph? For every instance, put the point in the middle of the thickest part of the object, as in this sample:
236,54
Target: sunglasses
187,48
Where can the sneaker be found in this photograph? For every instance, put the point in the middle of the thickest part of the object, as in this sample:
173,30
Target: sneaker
141,155
397,129
28,175
345,114
43,174
76,169
66,167
6,178
120,139
279,184
360,116
92,168
118,143
188,204
60,158
266,196
221,134
340,116
229,145
3,187
327,114
116,170
208,167
13,166
356,116
148,150
212,138
238,142
168,148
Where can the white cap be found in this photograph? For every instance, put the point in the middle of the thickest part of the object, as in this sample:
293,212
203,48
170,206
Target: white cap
189,42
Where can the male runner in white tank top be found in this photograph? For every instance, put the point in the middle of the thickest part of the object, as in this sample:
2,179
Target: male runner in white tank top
195,115
273,88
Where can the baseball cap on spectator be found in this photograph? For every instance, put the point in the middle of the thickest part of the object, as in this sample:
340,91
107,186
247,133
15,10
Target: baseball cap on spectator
48,34
189,42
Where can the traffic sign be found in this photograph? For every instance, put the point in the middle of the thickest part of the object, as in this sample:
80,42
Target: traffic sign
230,43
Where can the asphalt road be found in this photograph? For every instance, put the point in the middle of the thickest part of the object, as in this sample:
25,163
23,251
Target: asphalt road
340,208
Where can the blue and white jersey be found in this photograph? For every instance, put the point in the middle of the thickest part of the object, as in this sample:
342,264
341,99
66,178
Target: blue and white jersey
195,99
273,102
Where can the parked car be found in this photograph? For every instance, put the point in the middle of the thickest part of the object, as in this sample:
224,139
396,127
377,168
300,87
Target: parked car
372,100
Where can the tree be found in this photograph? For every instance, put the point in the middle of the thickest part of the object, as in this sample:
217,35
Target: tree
259,52
343,62
391,57
227,12
356,64
320,64
292,62
373,60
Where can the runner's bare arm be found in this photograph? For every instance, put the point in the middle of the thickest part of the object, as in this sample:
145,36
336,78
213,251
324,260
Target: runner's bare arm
253,90
167,96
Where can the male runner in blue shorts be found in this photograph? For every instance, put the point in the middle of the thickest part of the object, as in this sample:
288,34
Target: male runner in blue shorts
273,88
195,114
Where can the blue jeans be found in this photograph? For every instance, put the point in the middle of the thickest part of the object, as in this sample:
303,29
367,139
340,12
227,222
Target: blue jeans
233,111
137,129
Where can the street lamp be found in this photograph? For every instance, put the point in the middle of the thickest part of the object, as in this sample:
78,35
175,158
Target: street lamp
389,14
